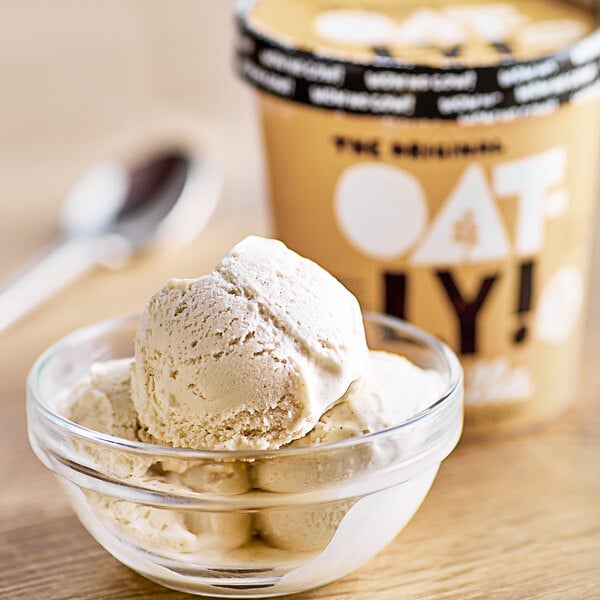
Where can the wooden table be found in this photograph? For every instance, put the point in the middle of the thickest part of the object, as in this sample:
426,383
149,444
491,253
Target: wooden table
517,518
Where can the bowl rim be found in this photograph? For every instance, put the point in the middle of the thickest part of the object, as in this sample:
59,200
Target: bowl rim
451,394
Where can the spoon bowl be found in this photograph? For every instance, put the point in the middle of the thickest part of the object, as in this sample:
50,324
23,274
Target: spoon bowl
112,212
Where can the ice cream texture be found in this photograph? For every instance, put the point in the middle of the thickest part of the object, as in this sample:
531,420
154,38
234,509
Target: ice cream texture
101,400
267,351
391,391
249,356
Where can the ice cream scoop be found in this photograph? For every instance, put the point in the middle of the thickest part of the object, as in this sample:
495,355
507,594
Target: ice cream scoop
101,400
249,356
391,391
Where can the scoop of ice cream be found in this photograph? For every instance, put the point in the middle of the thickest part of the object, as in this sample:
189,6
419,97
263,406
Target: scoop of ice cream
301,528
101,400
173,530
249,356
150,527
392,390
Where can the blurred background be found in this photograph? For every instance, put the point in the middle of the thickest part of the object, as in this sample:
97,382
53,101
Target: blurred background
83,80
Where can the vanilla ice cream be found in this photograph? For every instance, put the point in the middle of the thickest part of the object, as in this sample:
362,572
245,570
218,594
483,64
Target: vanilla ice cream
249,356
101,400
392,391
267,351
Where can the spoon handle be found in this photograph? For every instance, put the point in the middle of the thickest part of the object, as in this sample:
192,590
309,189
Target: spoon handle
57,266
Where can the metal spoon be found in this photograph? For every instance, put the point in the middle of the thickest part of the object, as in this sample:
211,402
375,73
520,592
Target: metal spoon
111,213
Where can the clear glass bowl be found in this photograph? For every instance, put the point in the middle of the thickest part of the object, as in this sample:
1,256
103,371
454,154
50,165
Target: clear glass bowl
242,524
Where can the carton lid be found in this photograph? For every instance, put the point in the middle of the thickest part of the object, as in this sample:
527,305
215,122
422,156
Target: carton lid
365,62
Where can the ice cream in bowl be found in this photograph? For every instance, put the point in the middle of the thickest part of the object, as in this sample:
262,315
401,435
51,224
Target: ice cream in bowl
251,433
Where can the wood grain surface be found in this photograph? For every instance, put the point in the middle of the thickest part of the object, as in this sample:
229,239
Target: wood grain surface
508,519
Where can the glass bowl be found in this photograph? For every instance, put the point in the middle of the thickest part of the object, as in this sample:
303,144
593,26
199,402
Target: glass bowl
242,524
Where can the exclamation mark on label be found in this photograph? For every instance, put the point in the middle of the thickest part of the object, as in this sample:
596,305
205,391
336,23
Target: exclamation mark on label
524,300
395,294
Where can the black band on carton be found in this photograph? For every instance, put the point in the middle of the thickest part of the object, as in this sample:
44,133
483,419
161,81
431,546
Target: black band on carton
388,87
